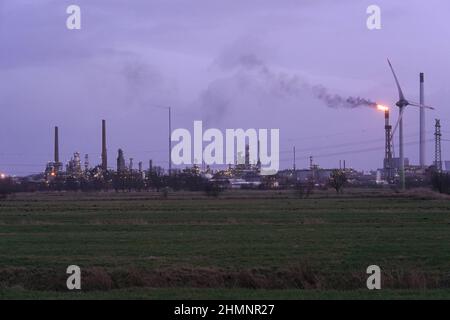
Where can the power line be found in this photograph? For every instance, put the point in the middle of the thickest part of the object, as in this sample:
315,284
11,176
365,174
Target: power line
357,151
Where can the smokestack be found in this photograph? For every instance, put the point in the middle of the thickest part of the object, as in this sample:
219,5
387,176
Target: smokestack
104,153
422,123
247,156
258,164
120,161
131,164
150,165
294,165
56,160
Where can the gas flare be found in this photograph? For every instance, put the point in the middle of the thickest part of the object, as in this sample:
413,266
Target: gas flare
382,107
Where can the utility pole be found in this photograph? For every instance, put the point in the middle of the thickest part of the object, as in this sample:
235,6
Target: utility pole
437,146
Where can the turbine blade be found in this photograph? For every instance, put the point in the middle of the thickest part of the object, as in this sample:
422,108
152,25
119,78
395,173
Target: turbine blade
400,116
400,92
420,105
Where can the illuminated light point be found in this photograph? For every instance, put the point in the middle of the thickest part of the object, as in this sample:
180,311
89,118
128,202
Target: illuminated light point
382,107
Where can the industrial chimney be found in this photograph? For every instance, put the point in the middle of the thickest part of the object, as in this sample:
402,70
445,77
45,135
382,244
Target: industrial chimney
150,165
422,123
104,153
258,163
120,161
130,166
247,156
86,163
56,159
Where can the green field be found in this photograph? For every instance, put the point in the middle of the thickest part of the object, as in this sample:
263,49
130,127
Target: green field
253,244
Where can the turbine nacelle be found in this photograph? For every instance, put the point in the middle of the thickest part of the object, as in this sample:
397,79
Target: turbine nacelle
402,103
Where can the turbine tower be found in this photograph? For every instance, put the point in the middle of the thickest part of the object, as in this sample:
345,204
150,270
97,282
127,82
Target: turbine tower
402,103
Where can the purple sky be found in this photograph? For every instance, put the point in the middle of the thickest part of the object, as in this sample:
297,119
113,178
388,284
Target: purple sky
229,63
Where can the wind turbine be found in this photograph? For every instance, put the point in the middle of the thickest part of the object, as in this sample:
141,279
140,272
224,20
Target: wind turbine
402,103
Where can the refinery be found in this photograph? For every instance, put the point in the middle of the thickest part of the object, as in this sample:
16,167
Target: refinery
246,171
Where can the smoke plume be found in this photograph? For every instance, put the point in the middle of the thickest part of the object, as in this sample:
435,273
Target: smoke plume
247,74
337,101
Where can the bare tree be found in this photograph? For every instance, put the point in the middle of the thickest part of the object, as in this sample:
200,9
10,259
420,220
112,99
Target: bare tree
338,178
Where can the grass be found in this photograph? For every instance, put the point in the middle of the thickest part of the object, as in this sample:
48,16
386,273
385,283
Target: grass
224,294
242,245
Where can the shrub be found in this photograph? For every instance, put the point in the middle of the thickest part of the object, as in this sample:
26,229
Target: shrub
213,189
441,182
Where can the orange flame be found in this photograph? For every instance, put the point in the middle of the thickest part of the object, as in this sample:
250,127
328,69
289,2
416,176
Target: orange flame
382,108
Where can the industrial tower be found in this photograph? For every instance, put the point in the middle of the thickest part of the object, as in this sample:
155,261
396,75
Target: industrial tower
104,152
56,164
388,170
422,159
437,146
120,162
86,163
56,155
